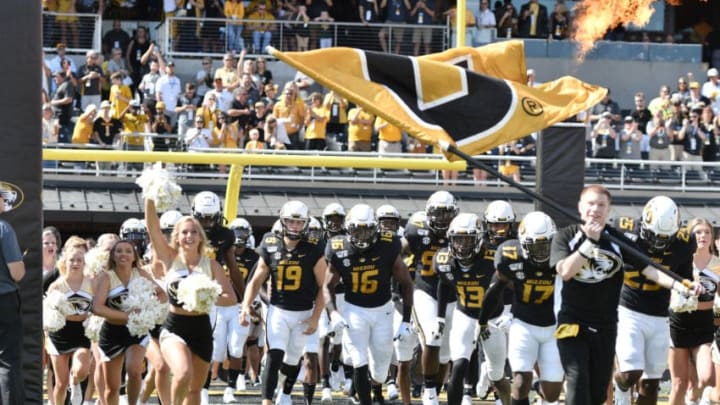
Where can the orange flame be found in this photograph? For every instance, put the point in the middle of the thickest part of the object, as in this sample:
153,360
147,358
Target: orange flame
594,17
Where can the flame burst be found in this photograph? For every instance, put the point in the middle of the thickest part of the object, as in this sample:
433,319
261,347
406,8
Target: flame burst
594,17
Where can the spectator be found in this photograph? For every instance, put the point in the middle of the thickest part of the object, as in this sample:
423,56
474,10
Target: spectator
49,125
301,28
389,136
692,134
106,132
12,271
116,38
662,102
221,97
266,76
559,21
146,87
641,115
286,11
62,103
225,135
204,77
168,89
275,135
508,168
337,126
261,26
369,12
270,96
507,19
422,13
316,118
674,126
160,125
290,113
306,85
254,143
249,67
258,117
533,20
188,103
235,12
198,136
682,91
628,140
247,84
695,99
72,77
228,72
711,147
135,122
116,64
325,31
68,23
604,136
83,131
711,89
240,109
138,55
486,24
316,10
660,137
360,130
55,64
120,95
396,12
605,105
532,78
210,33
470,25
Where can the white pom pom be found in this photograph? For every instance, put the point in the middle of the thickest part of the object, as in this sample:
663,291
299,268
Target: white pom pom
55,309
159,185
93,324
95,261
142,306
682,303
198,293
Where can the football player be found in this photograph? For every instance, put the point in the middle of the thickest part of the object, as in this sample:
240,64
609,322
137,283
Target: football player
523,263
134,230
296,268
367,261
423,238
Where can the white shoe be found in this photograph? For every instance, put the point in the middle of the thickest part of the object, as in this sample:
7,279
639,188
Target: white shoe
392,392
283,399
348,386
621,397
228,395
326,397
466,400
240,383
430,397
204,397
483,384
76,395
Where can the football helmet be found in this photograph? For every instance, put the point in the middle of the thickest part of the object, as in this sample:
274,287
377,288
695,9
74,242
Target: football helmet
465,234
440,208
535,234
361,226
499,219
243,231
388,218
135,231
207,209
168,220
315,229
660,223
333,217
294,211
276,228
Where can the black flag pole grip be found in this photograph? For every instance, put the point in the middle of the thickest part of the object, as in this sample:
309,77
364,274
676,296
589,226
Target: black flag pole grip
571,215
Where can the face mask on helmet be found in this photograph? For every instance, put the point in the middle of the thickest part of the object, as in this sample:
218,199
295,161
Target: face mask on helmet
315,230
241,236
439,218
656,242
389,224
362,236
293,229
334,223
535,234
499,231
207,210
660,223
464,246
537,251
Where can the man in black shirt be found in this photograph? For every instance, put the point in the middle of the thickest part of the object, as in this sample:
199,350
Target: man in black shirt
591,268
106,132
62,103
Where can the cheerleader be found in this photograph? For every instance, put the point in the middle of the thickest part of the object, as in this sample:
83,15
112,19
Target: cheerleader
186,338
50,243
70,342
116,344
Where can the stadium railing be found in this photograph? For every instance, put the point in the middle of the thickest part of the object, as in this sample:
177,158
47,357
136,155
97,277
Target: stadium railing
89,30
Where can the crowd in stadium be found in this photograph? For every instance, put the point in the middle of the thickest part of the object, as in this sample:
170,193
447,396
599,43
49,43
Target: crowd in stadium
373,311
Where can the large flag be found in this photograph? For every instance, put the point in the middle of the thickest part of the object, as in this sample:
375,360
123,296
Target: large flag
504,60
436,101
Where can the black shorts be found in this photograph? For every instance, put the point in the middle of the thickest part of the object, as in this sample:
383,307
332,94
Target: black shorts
68,339
691,329
115,339
194,330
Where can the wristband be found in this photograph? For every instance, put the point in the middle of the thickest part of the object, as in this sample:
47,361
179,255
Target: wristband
406,313
586,248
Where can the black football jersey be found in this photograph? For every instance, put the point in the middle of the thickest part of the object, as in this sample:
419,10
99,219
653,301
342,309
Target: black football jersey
220,240
423,243
592,296
469,283
533,284
366,275
489,250
292,278
246,262
638,292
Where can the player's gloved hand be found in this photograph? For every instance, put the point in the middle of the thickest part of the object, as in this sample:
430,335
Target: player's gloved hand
484,332
503,321
337,322
439,330
403,332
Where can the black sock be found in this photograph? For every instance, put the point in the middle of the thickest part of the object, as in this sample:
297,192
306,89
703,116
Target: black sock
308,392
362,384
430,381
291,373
335,366
207,380
377,391
326,381
348,371
270,372
243,364
232,377
525,401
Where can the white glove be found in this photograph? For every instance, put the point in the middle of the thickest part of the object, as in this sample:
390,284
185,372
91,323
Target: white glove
403,332
503,321
439,330
337,322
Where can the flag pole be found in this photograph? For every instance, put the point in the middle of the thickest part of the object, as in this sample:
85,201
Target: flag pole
547,201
